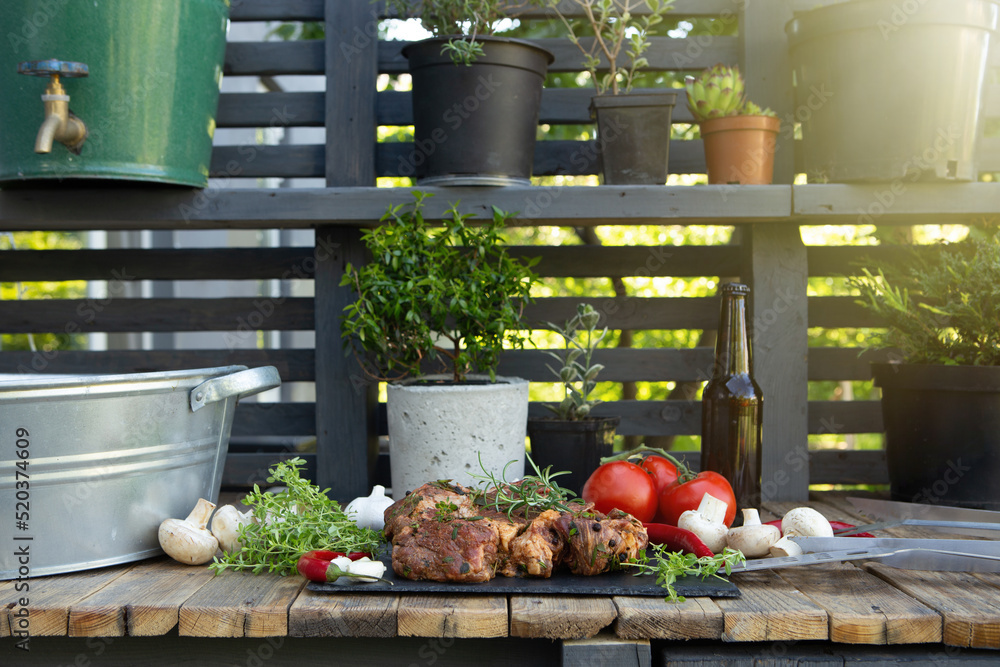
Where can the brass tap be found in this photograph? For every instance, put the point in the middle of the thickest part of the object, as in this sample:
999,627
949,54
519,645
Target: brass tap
60,123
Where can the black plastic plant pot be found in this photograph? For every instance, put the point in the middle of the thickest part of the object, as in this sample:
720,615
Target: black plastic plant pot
633,136
942,432
860,71
475,124
574,446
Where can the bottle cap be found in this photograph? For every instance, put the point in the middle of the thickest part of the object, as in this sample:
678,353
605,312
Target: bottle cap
735,288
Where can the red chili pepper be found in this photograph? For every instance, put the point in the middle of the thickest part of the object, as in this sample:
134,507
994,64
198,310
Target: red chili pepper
316,565
676,539
836,525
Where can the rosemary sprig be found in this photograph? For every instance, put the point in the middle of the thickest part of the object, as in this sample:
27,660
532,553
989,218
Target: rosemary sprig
285,525
668,566
536,492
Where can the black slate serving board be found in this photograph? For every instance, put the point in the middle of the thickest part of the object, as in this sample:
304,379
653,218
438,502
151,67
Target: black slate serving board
562,583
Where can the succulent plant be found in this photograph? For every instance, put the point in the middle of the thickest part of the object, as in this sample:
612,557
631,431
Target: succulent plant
719,91
751,109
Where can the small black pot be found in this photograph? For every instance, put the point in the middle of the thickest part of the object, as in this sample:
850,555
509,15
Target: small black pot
475,124
633,134
576,446
942,432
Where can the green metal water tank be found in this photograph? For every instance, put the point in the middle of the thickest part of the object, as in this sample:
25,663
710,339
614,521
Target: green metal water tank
143,77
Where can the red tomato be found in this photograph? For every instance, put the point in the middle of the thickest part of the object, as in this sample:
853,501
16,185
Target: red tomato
622,485
660,469
677,498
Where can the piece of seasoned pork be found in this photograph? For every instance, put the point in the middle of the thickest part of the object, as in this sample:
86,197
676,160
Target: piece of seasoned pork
448,532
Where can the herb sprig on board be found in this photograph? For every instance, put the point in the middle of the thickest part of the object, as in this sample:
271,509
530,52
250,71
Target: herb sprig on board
535,493
668,566
291,522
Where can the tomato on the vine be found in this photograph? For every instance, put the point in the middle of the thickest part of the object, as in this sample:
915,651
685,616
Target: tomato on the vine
678,497
660,469
622,485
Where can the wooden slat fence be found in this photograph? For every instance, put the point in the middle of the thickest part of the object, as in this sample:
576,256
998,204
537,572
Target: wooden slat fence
770,255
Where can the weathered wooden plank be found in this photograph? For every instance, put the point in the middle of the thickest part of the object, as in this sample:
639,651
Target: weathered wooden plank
839,260
144,601
606,649
157,208
120,314
447,616
665,53
274,58
845,417
271,110
969,608
130,264
775,264
269,10
261,160
606,261
292,365
770,609
238,604
895,203
645,417
833,466
831,312
843,363
655,618
274,419
864,609
560,106
9,598
621,364
324,615
549,617
50,600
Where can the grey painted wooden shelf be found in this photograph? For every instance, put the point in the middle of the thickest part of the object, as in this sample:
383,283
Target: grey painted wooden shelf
149,208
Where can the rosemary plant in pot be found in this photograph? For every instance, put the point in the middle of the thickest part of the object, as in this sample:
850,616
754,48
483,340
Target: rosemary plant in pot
739,137
633,126
476,95
575,440
941,391
448,299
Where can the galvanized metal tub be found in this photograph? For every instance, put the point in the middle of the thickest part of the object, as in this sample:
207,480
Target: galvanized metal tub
90,465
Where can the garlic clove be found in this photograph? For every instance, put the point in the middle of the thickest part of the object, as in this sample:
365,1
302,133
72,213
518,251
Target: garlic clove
369,511
187,540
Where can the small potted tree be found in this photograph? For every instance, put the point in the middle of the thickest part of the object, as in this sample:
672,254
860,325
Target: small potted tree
739,137
941,394
574,440
445,299
633,128
476,95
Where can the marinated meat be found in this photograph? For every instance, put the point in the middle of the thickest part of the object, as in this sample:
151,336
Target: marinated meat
596,545
447,532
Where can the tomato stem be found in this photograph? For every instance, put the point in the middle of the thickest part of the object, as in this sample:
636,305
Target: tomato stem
684,473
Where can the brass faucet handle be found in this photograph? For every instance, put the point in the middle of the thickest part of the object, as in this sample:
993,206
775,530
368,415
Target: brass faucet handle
53,68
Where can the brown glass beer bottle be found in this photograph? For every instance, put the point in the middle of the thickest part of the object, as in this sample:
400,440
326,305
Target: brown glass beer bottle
732,404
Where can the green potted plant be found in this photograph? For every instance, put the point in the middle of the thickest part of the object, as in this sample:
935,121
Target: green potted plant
476,95
941,391
574,440
633,128
444,299
739,137
860,72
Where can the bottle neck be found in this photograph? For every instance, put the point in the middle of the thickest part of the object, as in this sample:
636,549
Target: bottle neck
732,349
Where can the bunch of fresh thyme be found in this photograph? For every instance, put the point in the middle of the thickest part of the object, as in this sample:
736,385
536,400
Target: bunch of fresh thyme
668,566
285,525
535,493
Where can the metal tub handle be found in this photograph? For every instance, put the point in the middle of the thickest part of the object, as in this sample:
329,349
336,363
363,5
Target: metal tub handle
239,384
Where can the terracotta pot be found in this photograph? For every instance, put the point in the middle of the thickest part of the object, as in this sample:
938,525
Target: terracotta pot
740,149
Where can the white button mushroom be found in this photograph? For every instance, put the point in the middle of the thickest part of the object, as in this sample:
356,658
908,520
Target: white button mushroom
806,522
753,538
708,522
187,540
785,547
226,527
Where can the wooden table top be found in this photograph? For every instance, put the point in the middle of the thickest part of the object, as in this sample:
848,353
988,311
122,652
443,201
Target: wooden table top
853,603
